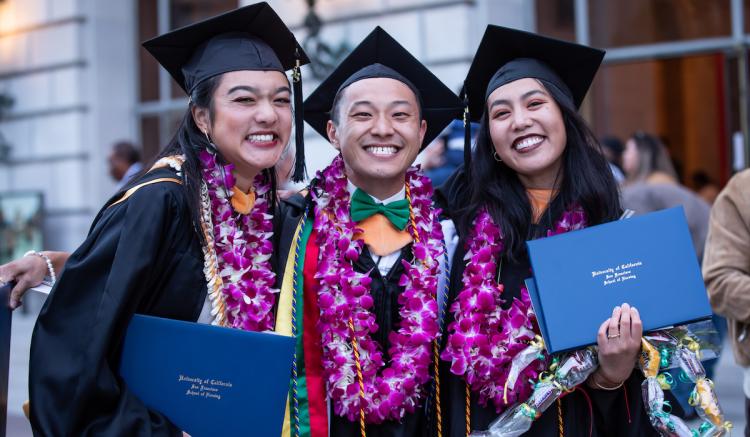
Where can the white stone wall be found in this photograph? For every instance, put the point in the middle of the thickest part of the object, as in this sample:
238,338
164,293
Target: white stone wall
69,66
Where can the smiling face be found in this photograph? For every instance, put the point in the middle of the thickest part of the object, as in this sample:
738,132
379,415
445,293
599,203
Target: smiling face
527,131
378,132
250,121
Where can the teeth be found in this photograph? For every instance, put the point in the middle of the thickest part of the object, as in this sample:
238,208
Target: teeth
380,150
528,142
260,138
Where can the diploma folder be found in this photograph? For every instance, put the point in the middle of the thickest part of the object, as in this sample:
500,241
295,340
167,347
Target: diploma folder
209,380
646,261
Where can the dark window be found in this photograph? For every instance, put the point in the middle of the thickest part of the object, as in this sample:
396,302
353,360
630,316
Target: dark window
634,22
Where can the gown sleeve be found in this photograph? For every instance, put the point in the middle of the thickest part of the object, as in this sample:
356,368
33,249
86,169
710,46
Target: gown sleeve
74,385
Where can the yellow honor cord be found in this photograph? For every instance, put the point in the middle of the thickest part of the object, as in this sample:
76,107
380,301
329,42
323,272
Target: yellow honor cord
284,315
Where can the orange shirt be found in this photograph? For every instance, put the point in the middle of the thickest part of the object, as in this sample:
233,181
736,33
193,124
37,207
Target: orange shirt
540,199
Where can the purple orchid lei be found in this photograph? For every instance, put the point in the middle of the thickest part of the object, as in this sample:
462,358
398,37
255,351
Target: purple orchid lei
343,294
242,248
484,337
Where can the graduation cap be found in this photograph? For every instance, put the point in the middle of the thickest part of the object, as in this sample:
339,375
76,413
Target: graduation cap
249,38
506,55
378,56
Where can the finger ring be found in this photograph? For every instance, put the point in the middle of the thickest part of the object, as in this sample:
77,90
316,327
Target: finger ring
613,336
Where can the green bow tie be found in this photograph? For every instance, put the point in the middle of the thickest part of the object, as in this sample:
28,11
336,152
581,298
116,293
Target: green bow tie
363,207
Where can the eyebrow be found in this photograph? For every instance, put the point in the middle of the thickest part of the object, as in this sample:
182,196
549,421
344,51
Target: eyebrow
255,90
393,103
523,97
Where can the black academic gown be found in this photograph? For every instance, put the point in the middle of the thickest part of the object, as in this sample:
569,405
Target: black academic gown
385,292
585,412
141,256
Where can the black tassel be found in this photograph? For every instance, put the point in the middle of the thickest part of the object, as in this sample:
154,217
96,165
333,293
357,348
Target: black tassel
300,172
467,132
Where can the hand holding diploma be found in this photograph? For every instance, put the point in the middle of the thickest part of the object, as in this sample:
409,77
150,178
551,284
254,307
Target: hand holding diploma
619,341
28,272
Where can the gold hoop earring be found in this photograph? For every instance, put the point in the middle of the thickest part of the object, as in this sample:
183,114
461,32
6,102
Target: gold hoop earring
497,158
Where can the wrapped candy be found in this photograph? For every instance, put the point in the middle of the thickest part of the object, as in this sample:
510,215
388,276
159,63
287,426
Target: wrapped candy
650,361
522,360
702,337
679,347
564,375
686,353
661,419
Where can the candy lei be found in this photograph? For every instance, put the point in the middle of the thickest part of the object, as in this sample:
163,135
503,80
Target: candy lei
343,294
238,250
484,337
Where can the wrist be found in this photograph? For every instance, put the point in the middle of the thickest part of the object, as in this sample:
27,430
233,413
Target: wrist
47,261
599,380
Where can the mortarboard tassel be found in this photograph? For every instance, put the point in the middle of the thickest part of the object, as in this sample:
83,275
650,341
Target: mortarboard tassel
300,172
467,131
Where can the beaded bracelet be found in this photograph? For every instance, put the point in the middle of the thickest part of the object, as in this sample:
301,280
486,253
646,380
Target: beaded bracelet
46,259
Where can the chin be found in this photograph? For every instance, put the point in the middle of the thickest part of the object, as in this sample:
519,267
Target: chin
387,173
262,163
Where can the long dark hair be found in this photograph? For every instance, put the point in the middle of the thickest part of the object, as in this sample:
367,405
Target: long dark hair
652,157
189,141
586,180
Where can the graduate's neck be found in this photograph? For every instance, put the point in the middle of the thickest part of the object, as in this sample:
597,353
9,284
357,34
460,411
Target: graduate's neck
379,188
244,181
546,180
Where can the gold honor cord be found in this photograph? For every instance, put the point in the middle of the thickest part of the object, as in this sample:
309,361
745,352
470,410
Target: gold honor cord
466,136
355,347
468,410
435,345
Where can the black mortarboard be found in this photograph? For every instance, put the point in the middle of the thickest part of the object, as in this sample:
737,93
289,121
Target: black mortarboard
379,55
505,55
249,38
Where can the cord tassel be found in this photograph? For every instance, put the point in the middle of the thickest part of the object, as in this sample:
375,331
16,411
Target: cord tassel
300,172
467,128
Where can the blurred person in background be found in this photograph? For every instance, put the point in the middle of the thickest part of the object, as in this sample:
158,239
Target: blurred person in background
444,155
705,187
612,148
652,185
124,162
726,269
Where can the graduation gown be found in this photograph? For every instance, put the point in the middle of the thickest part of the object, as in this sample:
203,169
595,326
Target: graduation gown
142,255
385,292
586,411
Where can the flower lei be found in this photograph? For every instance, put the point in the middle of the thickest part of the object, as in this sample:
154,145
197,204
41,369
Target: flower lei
484,338
238,250
343,295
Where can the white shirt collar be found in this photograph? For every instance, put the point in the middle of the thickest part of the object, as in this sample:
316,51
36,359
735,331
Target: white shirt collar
398,196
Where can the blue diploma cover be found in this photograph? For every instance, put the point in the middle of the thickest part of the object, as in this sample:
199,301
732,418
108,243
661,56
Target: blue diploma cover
209,380
647,261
